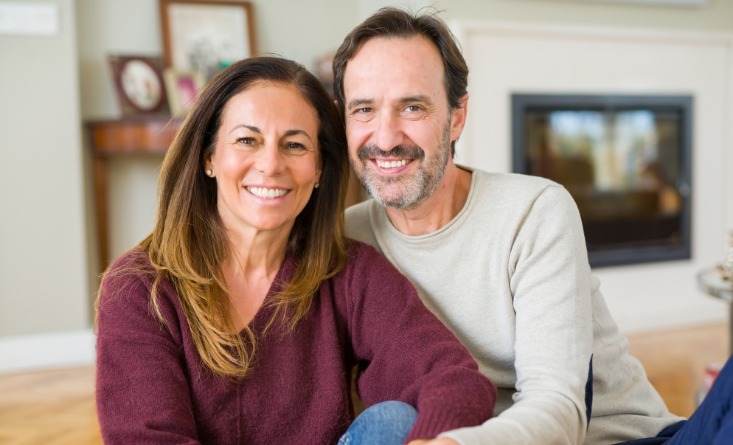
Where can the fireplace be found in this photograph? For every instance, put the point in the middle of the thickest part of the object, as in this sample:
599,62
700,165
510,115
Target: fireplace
625,159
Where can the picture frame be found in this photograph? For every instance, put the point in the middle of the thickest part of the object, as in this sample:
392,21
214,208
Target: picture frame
182,89
206,36
139,85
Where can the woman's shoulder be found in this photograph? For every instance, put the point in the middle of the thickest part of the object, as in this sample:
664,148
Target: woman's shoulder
131,265
366,267
128,278
359,253
135,257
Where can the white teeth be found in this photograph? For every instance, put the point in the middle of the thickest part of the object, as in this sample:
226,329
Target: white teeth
263,192
391,164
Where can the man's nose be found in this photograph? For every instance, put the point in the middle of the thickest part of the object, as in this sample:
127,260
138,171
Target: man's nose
387,132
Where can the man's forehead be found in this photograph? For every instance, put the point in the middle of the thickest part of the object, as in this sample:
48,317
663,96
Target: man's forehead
414,48
404,66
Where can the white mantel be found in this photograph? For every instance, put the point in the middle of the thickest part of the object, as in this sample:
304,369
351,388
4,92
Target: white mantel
506,58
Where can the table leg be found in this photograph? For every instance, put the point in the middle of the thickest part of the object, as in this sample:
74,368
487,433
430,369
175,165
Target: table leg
100,201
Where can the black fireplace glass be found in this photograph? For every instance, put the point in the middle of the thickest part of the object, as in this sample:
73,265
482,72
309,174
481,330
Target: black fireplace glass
625,159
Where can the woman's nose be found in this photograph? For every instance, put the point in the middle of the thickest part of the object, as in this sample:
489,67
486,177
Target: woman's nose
269,160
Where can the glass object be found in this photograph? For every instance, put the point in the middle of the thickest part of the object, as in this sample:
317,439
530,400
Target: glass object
624,159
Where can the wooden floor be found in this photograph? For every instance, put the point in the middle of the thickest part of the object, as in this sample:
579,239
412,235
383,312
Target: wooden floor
51,407
56,407
675,361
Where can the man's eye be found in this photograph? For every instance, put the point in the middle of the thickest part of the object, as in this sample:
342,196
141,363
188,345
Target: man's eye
362,114
413,108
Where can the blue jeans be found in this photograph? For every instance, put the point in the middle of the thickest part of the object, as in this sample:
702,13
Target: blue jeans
710,424
386,423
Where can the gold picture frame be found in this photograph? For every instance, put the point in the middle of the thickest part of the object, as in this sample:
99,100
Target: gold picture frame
206,36
182,89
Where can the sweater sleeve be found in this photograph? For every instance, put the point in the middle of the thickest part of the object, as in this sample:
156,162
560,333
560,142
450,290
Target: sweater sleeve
407,354
550,282
142,391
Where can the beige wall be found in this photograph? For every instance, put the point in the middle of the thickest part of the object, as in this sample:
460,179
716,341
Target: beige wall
308,30
43,259
50,85
561,59
716,16
302,31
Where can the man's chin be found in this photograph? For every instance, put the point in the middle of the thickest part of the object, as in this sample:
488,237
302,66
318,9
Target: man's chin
392,198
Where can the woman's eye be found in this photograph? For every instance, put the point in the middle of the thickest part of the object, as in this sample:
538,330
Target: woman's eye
246,141
294,146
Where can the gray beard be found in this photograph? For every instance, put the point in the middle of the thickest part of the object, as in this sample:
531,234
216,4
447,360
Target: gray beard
415,189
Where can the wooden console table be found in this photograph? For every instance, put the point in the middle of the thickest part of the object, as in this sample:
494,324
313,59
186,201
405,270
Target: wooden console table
129,136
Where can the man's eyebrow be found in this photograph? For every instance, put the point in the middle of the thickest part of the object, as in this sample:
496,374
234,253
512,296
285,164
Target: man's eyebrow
403,100
417,98
358,102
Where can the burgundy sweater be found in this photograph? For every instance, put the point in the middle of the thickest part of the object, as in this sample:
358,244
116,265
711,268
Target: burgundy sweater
152,387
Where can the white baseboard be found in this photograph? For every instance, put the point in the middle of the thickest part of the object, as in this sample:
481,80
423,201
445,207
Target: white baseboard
49,350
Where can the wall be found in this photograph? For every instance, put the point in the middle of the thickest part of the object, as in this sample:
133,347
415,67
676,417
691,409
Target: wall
716,15
44,285
104,28
299,34
572,59
49,86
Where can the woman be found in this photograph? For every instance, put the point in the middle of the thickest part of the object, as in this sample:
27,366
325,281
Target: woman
240,317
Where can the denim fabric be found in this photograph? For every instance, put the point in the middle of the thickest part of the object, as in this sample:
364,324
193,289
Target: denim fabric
710,424
712,421
661,438
386,423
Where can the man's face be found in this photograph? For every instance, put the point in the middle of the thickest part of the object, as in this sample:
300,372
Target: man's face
398,121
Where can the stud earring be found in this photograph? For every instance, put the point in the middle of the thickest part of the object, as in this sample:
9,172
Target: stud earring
317,184
209,173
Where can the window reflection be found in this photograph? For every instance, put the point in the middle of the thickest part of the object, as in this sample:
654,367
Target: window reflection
622,165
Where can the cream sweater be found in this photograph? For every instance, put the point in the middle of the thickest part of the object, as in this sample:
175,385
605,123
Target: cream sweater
509,276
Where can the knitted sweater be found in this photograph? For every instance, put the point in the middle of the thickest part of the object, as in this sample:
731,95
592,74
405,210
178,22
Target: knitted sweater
153,388
509,276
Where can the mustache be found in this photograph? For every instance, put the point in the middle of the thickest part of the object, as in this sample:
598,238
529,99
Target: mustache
400,151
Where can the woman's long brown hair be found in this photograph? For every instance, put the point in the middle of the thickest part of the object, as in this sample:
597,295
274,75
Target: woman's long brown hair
189,243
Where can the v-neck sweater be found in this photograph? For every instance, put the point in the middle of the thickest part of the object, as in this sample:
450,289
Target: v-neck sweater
152,386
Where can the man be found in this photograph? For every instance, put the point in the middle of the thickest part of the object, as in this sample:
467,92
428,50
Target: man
500,258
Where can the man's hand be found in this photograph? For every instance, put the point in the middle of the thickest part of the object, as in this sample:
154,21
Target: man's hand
442,441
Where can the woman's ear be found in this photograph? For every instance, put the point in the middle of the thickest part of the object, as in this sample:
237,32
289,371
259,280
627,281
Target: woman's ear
319,170
208,165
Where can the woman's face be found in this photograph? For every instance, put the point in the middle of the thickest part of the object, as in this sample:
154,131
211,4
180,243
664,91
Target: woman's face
265,161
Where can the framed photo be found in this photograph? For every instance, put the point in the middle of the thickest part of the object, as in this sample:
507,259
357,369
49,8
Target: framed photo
182,88
206,36
139,84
